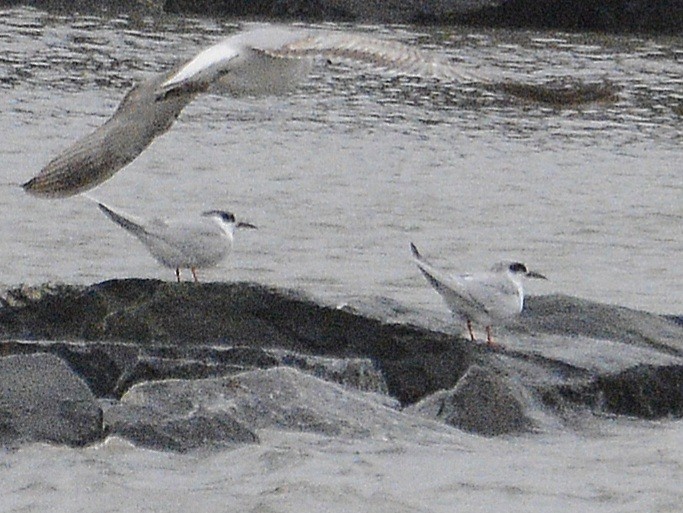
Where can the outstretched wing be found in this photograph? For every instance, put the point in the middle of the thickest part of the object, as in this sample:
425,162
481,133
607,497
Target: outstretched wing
139,119
266,60
283,43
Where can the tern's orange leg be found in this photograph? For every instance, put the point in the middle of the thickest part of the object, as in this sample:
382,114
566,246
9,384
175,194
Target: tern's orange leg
489,337
194,274
177,274
469,328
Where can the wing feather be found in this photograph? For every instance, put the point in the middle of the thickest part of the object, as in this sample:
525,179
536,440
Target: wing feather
452,288
268,60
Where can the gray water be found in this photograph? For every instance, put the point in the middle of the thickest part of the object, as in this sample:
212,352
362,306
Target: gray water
625,469
340,176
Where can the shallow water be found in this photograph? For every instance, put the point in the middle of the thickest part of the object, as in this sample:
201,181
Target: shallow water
624,468
341,175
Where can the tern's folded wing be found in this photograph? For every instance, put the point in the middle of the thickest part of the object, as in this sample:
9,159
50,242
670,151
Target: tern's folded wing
130,226
451,288
497,294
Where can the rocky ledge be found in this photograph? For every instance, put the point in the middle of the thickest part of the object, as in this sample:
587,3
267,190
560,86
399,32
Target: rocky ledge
185,366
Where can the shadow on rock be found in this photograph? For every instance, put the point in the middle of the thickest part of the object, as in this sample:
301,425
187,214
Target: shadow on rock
150,314
125,338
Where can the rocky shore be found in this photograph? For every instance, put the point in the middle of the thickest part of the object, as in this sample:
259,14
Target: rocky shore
186,366
615,16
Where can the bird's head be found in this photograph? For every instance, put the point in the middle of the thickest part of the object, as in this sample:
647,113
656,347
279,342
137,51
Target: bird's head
519,269
516,270
227,220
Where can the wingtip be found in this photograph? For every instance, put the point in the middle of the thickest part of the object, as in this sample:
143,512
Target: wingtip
57,184
35,188
28,186
414,250
104,208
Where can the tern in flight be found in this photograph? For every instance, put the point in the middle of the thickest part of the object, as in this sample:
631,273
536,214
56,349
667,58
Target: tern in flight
184,244
485,298
268,60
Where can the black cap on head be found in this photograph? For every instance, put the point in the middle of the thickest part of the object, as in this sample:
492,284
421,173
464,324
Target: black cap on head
228,217
517,267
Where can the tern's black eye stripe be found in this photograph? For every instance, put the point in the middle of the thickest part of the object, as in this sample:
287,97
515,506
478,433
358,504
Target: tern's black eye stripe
518,268
228,217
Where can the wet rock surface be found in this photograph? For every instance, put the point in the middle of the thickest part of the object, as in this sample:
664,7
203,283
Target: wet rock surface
183,415
484,402
175,430
41,399
186,366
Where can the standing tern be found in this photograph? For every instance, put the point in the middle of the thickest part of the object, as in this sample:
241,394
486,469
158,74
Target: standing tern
485,297
269,60
184,244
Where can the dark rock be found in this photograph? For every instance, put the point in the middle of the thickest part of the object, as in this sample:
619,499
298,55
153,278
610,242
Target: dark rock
644,391
52,312
482,402
241,356
279,398
661,16
199,363
100,365
565,351
358,373
170,312
42,400
569,316
678,319
155,369
110,369
185,317
160,429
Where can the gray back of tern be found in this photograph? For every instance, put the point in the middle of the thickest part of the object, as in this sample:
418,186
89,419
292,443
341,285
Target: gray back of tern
486,298
184,244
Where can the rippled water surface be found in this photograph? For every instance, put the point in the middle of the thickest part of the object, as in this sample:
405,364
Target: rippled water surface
343,173
625,469
340,176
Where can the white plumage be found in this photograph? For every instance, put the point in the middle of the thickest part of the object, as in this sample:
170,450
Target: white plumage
184,244
486,298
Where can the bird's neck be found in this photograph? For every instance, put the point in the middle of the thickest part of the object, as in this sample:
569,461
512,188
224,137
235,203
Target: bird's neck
227,228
